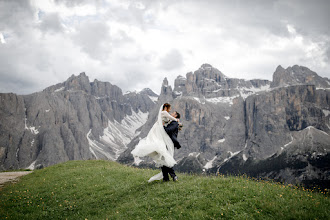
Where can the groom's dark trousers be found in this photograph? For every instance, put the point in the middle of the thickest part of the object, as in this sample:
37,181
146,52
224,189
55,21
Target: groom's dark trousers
172,130
166,170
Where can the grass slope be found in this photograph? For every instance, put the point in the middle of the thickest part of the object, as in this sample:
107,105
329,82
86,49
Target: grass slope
108,190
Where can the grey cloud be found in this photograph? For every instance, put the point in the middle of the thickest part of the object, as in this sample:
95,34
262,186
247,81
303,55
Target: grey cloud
246,22
172,60
15,15
23,65
51,23
122,38
21,85
327,54
73,3
94,39
134,15
311,17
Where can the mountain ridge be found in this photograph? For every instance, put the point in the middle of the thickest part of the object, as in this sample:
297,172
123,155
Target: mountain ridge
75,119
227,121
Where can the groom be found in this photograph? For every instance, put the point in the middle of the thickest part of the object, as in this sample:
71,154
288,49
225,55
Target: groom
172,130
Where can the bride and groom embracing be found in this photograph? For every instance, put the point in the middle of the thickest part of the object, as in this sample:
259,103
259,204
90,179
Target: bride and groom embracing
160,143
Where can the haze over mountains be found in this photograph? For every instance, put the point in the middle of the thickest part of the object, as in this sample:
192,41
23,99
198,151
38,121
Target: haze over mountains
277,129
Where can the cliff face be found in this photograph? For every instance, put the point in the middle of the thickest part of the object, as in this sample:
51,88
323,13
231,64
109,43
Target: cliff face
234,125
73,120
277,129
298,75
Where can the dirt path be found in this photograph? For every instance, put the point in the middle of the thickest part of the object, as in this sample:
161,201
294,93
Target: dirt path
11,176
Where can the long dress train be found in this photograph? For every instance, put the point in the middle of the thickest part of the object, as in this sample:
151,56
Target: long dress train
157,145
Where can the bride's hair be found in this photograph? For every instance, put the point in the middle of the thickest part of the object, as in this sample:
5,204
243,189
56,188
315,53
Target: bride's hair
166,105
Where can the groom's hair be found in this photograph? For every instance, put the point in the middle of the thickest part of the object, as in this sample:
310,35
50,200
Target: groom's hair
177,115
166,105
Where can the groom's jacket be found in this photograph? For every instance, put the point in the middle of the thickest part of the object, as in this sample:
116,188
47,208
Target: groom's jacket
172,130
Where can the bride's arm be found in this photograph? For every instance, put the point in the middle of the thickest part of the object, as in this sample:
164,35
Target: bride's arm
167,115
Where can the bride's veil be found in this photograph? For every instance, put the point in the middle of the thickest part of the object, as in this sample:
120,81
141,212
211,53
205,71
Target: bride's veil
157,145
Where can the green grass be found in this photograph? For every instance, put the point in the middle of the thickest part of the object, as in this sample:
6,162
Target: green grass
108,190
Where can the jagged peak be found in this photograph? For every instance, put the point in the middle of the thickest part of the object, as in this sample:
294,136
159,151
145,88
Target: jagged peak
181,77
294,67
145,91
208,71
165,82
149,92
279,68
297,75
81,76
206,65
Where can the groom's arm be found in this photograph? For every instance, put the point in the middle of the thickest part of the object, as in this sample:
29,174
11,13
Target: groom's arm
172,127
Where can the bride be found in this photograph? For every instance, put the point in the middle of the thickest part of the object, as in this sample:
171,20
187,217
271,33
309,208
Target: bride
158,145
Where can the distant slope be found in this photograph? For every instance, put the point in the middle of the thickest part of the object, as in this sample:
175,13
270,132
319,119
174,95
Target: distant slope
108,190
236,125
73,120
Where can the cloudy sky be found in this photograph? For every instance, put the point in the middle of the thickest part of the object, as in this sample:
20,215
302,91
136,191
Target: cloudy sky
135,44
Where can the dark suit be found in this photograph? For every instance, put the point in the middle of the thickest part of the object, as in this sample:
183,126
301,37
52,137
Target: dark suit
172,130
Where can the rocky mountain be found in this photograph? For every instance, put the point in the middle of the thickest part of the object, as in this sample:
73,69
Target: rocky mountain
73,120
297,75
277,129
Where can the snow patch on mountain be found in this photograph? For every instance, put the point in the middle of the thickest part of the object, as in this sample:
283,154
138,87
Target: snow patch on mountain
33,130
117,135
287,143
194,154
60,89
32,165
216,100
226,100
221,140
245,92
209,164
96,147
231,155
326,112
153,98
134,121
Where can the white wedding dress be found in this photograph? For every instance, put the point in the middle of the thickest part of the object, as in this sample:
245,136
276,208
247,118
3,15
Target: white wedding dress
157,145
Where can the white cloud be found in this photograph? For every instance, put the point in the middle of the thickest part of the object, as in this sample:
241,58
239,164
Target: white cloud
135,44
2,38
94,39
172,60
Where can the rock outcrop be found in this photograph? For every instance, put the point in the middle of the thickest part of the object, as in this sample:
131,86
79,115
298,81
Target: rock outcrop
298,75
277,129
73,120
236,125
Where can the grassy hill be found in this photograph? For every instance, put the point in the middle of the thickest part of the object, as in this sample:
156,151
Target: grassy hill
108,190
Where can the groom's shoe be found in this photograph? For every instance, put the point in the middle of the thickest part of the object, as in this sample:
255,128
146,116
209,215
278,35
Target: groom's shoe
175,178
